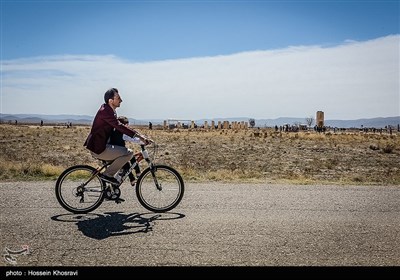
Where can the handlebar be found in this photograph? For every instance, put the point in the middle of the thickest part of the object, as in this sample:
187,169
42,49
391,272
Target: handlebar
143,145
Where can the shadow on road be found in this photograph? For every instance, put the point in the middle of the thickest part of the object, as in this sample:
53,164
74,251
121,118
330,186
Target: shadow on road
101,226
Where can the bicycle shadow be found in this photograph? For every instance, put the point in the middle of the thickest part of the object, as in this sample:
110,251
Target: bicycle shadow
102,226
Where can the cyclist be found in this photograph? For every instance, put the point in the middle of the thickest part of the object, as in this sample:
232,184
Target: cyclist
98,140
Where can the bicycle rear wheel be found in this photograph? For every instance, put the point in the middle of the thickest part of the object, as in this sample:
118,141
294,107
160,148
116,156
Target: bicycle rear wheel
160,188
77,191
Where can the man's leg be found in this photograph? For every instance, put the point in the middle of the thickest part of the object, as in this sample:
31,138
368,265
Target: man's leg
120,155
137,167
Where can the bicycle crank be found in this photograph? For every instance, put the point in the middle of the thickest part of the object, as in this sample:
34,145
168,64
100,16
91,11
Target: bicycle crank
113,194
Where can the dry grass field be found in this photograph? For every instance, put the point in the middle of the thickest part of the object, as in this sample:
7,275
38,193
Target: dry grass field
37,153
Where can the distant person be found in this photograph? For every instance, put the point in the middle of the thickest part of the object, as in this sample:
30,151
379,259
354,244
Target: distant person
150,126
104,123
118,138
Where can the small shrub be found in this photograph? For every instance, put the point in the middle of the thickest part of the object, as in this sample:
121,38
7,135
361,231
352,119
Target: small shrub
373,147
388,148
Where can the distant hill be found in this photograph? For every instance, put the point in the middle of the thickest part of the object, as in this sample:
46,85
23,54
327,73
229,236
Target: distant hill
375,122
37,118
86,119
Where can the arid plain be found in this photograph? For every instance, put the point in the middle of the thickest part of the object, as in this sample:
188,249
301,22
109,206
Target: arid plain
34,152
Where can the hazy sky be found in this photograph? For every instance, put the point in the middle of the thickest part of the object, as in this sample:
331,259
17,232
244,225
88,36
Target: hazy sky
202,59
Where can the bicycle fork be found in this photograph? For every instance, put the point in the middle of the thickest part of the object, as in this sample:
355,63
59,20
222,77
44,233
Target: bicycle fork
151,166
153,174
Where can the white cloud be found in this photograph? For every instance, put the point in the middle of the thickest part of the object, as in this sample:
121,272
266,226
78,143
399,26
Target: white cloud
348,81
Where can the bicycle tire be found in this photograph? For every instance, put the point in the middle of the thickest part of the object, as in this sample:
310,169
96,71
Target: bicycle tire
71,181
166,199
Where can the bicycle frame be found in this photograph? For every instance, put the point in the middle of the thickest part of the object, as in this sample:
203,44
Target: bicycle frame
139,157
142,155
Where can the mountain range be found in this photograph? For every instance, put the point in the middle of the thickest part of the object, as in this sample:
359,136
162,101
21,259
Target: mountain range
380,122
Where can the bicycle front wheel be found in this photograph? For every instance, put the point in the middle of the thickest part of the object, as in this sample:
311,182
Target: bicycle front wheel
160,188
78,191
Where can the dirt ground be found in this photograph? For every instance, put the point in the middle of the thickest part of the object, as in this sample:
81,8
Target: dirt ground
252,155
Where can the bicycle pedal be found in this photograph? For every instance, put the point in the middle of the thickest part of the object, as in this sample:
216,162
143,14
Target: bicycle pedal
119,200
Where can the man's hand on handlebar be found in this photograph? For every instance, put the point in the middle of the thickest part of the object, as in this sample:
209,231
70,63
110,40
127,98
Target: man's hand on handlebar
148,141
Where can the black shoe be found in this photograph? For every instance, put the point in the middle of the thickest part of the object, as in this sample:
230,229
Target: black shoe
110,180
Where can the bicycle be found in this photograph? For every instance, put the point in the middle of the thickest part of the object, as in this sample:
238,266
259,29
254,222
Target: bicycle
159,188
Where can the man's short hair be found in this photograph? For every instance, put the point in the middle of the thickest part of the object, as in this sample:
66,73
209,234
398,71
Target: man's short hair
110,94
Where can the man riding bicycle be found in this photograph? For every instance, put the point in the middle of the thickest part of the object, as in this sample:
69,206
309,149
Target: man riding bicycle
98,140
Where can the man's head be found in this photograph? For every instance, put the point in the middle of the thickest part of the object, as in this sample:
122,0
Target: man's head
112,98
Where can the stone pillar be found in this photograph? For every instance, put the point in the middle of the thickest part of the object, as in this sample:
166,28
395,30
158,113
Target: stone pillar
226,124
320,119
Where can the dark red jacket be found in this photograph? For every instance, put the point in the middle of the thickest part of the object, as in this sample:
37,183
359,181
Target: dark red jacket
103,125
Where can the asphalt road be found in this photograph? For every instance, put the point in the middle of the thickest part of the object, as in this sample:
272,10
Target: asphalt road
215,225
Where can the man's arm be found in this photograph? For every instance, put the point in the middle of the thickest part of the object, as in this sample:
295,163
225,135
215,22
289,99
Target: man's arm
109,117
135,140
